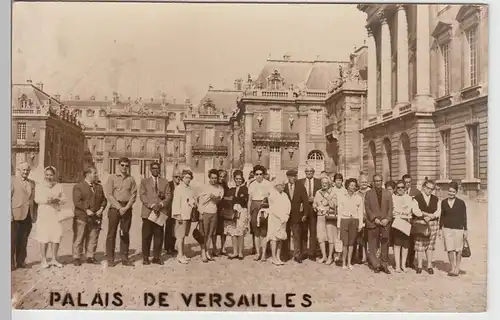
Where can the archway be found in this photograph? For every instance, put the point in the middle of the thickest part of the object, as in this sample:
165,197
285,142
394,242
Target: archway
387,160
316,160
404,154
372,159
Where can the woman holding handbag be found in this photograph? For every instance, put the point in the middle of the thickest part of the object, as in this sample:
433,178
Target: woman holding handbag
236,217
453,224
325,205
404,207
183,203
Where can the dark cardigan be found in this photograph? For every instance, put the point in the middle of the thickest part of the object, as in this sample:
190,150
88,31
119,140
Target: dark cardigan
455,217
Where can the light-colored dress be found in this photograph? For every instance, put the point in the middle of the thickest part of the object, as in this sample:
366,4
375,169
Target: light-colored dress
48,226
279,212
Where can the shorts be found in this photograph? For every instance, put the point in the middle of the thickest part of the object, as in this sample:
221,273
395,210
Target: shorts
453,239
181,228
349,231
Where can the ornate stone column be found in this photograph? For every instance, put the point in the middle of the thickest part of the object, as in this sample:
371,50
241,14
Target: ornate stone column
248,166
372,76
302,141
385,64
189,147
423,96
402,36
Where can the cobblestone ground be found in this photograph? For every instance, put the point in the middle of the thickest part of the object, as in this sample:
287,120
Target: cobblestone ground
331,288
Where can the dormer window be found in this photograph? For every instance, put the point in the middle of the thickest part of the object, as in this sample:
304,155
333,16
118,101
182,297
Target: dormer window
78,112
90,113
209,106
23,102
275,81
102,113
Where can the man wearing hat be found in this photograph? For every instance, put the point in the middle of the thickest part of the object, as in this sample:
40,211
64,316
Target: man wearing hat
169,238
300,209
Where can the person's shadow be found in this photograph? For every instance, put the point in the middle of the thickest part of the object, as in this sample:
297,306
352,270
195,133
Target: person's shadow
445,266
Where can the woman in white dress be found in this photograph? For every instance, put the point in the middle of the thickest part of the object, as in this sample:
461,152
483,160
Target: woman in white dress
278,214
50,197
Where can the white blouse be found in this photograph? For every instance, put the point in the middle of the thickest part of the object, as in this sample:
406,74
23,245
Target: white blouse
259,191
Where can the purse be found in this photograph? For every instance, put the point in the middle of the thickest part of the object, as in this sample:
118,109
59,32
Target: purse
419,227
466,249
228,214
198,236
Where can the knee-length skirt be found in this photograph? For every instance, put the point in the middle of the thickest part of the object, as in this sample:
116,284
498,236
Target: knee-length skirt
427,243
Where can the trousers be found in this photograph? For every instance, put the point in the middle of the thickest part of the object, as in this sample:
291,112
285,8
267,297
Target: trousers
378,237
85,234
154,232
124,222
169,238
20,232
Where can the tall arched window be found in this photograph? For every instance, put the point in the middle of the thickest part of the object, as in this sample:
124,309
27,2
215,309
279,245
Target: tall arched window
387,160
404,154
151,147
372,161
316,160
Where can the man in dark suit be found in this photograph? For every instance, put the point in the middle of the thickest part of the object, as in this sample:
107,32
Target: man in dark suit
169,237
89,202
378,207
155,195
311,185
300,209
412,192
23,214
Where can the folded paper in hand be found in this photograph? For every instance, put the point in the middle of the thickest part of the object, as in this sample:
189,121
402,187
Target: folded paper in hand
158,219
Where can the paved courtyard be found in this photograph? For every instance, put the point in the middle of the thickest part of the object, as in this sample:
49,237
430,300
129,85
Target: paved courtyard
331,288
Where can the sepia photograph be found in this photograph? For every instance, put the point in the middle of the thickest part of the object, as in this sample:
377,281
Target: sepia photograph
287,157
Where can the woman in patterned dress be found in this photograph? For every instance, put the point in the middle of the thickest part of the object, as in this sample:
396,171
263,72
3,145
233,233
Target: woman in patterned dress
238,227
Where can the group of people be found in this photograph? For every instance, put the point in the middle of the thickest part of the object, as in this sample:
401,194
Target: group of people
349,222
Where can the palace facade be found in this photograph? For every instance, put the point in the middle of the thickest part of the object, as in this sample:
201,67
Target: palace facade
46,133
427,103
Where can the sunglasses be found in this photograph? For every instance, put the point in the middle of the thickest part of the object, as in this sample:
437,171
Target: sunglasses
124,165
400,187
258,174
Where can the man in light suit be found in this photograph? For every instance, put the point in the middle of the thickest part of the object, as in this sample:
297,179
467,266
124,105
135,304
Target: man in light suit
89,202
311,185
378,208
23,214
155,195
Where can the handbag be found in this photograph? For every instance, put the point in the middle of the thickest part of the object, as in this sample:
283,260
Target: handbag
466,249
198,236
338,245
420,227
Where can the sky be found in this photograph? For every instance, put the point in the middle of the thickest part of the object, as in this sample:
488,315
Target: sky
144,49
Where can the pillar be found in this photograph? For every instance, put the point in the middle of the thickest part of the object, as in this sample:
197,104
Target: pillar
402,62
372,76
248,143
302,143
423,96
188,146
385,65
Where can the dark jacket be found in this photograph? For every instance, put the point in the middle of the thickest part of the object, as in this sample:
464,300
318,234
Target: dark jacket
375,210
300,205
84,199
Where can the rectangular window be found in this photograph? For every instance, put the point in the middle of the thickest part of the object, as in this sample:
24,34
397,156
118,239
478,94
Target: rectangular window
445,51
159,125
275,120
120,124
21,130
136,125
445,154
274,161
100,144
316,122
151,124
209,136
209,164
472,152
170,147
471,35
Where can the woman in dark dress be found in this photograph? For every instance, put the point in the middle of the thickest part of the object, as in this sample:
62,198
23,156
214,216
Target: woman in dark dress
238,226
224,203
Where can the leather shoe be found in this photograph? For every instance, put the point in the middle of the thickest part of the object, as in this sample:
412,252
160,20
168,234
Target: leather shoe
377,270
127,263
298,260
157,261
91,260
312,258
22,266
418,270
385,270
77,262
146,262
430,270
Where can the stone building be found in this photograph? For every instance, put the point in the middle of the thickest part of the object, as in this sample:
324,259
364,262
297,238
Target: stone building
427,96
143,131
281,116
209,135
45,132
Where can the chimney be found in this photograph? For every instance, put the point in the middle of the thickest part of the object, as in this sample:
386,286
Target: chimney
29,81
58,97
237,84
77,97
115,97
187,101
286,57
152,99
39,85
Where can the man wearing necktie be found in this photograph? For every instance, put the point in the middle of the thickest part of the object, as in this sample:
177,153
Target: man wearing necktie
155,195
23,214
89,202
312,185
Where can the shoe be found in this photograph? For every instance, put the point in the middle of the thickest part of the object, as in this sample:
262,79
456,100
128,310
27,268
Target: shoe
329,262
146,262
297,259
232,257
386,270
44,265
322,260
350,267
22,266
91,260
56,264
157,261
312,258
240,258
430,270
127,263
450,274
77,262
377,270
344,268
181,260
418,270
257,258
205,260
